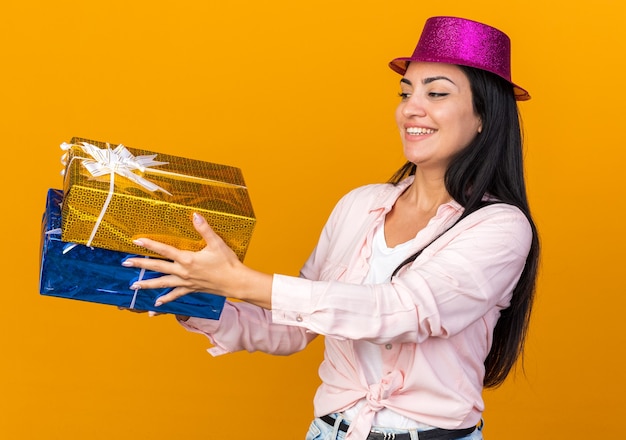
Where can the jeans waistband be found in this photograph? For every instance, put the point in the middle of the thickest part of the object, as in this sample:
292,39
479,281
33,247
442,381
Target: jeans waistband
431,434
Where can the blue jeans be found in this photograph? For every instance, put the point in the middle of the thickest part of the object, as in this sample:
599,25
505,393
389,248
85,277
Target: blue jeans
320,430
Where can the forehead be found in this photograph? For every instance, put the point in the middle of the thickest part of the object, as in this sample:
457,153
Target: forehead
419,71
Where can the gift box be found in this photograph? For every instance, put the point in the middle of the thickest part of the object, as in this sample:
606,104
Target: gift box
114,194
80,272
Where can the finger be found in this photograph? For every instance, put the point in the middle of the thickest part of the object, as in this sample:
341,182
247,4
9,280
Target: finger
130,310
167,251
153,264
164,282
204,229
173,295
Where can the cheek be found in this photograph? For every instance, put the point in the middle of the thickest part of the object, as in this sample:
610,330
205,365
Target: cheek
470,127
464,134
398,115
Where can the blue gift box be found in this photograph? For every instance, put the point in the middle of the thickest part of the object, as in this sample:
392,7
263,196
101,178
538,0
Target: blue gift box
85,273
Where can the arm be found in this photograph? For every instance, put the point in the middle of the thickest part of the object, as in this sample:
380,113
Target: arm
243,326
456,281
216,269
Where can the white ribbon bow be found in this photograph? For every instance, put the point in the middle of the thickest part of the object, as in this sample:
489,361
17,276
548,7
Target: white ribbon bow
119,161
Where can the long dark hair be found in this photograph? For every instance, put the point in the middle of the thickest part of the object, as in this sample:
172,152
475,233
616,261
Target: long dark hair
492,164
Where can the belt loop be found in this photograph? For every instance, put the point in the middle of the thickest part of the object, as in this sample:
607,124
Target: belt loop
481,424
338,419
414,434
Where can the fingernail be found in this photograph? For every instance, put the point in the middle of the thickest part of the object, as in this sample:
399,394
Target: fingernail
138,242
135,286
196,218
151,313
158,303
127,263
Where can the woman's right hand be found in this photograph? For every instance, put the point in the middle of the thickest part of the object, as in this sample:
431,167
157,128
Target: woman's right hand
214,269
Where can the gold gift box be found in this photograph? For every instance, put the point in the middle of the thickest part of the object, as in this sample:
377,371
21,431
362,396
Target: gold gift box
217,192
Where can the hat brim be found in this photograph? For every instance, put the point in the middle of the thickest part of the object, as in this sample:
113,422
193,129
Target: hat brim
399,65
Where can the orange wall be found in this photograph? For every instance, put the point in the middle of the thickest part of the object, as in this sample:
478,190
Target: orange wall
298,95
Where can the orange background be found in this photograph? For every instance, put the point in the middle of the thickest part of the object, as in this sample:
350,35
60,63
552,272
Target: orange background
298,95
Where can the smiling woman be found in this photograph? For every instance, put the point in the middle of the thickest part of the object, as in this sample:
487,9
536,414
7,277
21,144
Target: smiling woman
422,286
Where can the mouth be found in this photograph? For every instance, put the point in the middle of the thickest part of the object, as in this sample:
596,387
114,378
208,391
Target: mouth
419,131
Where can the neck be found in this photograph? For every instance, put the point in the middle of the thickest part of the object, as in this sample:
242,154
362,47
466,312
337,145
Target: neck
426,193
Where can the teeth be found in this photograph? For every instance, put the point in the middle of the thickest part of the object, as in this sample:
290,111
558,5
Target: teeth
419,131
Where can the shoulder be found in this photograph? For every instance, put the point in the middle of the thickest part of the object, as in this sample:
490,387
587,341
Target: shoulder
375,195
498,212
365,199
366,192
501,222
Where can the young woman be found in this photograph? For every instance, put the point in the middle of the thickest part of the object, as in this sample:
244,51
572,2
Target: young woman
422,286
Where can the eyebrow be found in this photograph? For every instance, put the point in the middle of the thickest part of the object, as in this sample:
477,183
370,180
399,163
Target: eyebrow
428,80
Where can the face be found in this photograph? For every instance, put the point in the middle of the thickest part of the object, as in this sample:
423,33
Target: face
435,116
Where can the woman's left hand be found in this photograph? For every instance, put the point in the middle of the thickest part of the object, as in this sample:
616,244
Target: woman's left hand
214,269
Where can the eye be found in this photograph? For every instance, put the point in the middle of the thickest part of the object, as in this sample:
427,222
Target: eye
404,95
437,94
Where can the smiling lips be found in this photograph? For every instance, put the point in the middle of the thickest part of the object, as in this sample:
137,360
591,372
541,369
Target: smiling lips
419,131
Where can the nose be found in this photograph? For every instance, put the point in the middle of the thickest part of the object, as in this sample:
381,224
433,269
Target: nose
413,106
